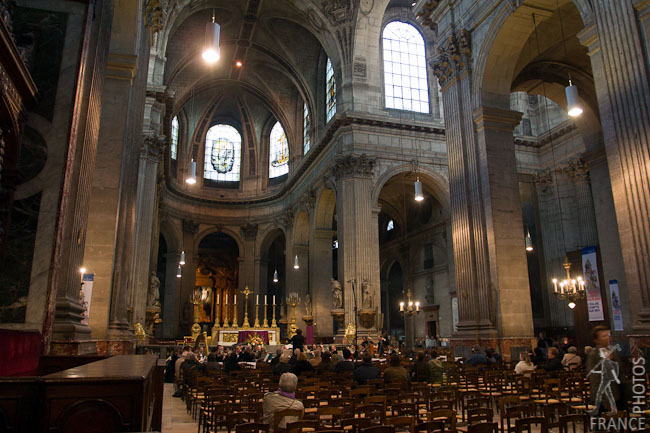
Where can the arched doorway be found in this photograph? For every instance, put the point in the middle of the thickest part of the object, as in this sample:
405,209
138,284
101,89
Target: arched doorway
216,279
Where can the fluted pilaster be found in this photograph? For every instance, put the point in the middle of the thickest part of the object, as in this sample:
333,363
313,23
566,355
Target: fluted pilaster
578,172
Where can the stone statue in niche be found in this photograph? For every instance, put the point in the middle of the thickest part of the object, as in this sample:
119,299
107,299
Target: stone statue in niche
366,295
337,294
153,299
308,309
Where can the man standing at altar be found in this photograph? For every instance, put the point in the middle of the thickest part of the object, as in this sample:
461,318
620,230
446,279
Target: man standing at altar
298,340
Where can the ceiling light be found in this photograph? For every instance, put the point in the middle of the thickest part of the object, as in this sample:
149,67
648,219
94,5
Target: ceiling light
573,104
572,305
191,179
239,63
418,190
82,270
182,261
295,263
211,51
178,271
275,276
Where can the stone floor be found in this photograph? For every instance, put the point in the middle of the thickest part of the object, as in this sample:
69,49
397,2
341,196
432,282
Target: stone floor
175,418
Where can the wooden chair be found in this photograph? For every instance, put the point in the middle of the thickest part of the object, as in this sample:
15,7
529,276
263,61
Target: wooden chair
572,420
354,425
485,427
379,429
447,416
405,409
402,423
252,427
479,414
372,411
281,414
504,403
526,424
302,426
430,427
552,412
441,404
513,413
330,416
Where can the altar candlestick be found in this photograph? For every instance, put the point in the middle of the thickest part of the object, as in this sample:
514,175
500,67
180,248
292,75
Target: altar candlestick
226,298
257,299
217,299
235,295
274,300
264,299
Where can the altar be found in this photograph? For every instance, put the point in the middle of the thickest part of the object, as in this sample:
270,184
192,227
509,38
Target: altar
232,336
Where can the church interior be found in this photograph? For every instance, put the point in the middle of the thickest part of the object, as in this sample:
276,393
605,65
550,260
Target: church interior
399,177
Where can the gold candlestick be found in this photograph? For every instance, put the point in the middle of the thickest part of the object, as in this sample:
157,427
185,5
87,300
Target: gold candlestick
235,323
246,323
265,324
225,313
293,300
274,324
257,311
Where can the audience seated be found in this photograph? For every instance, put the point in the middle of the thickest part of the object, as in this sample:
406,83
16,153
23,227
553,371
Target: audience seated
477,357
396,373
326,364
554,363
283,366
316,359
346,364
302,365
571,359
420,370
524,366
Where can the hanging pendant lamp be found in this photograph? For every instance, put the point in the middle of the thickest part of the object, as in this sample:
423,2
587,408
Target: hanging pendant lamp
191,179
529,242
211,51
295,263
573,104
182,261
418,190
275,276
178,271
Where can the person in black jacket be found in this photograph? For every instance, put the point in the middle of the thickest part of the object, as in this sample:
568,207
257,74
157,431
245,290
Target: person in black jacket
366,371
302,365
346,364
298,340
231,363
554,362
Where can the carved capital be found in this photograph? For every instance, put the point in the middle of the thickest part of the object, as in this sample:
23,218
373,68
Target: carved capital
577,170
309,199
153,146
353,166
249,231
424,16
543,180
190,227
454,56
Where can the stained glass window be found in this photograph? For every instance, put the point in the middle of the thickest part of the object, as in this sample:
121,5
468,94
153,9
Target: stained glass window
222,154
331,90
173,148
405,68
306,127
278,152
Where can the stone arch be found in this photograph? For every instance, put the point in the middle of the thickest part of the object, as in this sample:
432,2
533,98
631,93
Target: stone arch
225,230
171,233
267,237
432,180
301,229
325,208
499,52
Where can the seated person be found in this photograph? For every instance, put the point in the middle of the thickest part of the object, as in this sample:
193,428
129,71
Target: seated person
366,371
231,363
571,360
554,363
346,364
326,364
477,357
283,366
283,398
396,373
524,366
302,365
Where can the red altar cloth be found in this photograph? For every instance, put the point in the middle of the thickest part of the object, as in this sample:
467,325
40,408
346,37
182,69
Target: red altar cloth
243,336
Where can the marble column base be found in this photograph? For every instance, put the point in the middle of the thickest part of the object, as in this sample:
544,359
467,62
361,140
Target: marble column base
67,321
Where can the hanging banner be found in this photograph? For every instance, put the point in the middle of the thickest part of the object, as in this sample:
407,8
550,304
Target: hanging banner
85,294
592,284
617,314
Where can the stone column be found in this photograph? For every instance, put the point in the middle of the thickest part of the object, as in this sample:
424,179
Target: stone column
451,67
170,307
488,242
145,206
77,184
618,54
320,272
578,172
358,255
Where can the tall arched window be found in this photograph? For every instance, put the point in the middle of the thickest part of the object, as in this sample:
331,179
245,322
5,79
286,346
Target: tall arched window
405,70
330,85
222,154
278,152
306,126
173,148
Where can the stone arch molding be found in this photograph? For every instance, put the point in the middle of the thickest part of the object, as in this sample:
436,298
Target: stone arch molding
437,181
494,72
